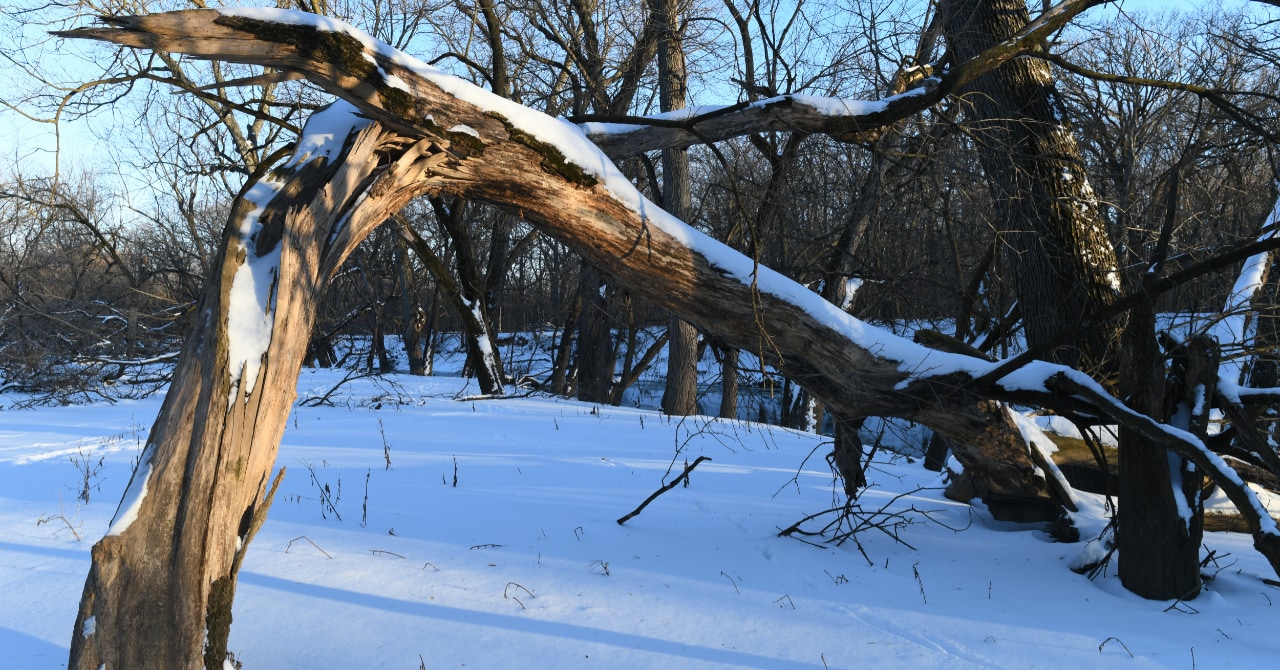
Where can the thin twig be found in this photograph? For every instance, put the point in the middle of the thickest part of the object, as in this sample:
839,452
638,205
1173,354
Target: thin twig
304,537
674,483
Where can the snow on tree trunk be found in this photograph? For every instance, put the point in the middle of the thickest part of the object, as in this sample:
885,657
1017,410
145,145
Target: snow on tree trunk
1053,231
481,353
1236,329
160,588
1066,268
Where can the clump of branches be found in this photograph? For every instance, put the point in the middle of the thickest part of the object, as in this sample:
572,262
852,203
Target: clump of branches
846,522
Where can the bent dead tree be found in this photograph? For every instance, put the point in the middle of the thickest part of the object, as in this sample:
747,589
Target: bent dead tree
404,130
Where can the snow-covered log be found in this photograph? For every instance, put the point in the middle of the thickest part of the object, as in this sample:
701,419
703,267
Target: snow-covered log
482,147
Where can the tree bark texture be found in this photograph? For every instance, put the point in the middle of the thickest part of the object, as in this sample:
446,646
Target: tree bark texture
1053,231
1159,555
1065,266
597,357
681,395
729,383
204,471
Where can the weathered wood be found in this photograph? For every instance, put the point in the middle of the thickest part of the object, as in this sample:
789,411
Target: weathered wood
205,467
566,202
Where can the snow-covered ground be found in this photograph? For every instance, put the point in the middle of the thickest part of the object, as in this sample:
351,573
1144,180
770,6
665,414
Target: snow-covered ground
521,564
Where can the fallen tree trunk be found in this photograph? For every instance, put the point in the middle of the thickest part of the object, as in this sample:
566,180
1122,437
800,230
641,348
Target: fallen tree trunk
216,438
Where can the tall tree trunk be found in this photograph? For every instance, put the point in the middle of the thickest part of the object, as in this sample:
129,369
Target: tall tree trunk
1066,268
468,296
681,395
1157,560
564,348
1054,236
596,356
729,383
1264,364
413,319
496,269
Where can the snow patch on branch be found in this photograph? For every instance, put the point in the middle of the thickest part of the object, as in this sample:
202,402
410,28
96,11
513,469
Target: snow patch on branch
1179,496
465,129
1235,328
836,107
1037,439
824,106
324,133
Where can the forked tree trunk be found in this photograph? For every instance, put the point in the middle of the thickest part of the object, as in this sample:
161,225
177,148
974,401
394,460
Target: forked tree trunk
164,577
1157,560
